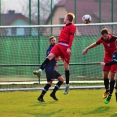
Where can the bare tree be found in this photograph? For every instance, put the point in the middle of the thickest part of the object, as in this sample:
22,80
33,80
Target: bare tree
45,9
3,7
25,7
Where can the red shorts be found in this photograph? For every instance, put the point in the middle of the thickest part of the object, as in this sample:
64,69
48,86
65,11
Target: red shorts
61,50
111,68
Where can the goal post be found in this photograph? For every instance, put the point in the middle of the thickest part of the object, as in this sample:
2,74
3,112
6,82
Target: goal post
22,50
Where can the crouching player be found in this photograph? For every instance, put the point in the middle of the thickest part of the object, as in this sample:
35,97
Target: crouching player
114,61
51,74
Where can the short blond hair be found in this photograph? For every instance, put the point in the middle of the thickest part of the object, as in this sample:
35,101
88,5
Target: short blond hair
52,37
70,16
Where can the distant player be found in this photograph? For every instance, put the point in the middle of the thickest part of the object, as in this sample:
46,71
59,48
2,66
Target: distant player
109,42
63,48
51,74
114,61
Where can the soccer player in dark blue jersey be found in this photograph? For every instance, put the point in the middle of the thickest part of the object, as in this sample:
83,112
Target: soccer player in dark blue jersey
114,61
51,73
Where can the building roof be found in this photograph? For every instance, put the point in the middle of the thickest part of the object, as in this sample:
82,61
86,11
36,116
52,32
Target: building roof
11,16
90,7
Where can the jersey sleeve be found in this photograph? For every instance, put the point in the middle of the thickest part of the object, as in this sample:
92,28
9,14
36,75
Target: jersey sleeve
72,32
99,41
114,59
115,37
47,52
110,63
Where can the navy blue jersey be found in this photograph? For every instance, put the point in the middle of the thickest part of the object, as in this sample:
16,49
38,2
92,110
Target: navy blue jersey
52,63
114,59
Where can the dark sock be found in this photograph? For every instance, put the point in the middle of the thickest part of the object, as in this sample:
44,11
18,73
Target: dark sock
116,91
116,96
44,64
112,83
45,89
67,74
106,83
57,86
116,85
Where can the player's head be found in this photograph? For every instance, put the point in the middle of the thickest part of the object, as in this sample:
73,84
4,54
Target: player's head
52,40
105,33
69,18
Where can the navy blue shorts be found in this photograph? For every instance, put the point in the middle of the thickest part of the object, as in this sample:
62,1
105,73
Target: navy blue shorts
51,75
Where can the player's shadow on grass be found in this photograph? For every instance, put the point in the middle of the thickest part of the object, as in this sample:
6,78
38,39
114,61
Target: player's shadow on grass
48,114
43,103
99,110
114,115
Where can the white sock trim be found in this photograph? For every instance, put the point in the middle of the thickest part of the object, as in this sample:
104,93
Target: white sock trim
40,70
67,84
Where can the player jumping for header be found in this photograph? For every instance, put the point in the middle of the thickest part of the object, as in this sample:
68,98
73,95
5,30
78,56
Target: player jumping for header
63,48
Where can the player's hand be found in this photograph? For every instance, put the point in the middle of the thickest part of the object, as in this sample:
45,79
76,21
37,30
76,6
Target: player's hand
56,65
84,51
102,63
57,58
68,51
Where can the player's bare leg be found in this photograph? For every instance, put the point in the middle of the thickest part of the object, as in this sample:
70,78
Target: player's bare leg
44,64
67,74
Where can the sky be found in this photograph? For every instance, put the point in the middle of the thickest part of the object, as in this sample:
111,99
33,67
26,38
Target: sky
21,6
16,4
12,5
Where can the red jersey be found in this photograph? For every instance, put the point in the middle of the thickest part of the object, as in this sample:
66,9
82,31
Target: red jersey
67,34
109,47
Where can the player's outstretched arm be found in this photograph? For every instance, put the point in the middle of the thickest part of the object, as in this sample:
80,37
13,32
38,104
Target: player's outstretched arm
114,60
89,47
108,63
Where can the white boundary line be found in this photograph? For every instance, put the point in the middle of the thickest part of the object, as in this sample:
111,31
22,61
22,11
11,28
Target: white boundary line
62,88
44,82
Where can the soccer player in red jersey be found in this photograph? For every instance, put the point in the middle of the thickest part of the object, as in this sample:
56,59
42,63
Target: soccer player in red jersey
112,62
63,48
109,42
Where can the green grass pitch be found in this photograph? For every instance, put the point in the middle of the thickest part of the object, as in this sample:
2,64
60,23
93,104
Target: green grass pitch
78,103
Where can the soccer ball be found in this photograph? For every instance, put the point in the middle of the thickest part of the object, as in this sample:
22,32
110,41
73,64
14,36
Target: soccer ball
86,19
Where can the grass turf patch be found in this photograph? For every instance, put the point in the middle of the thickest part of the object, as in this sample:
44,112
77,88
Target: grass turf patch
78,103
